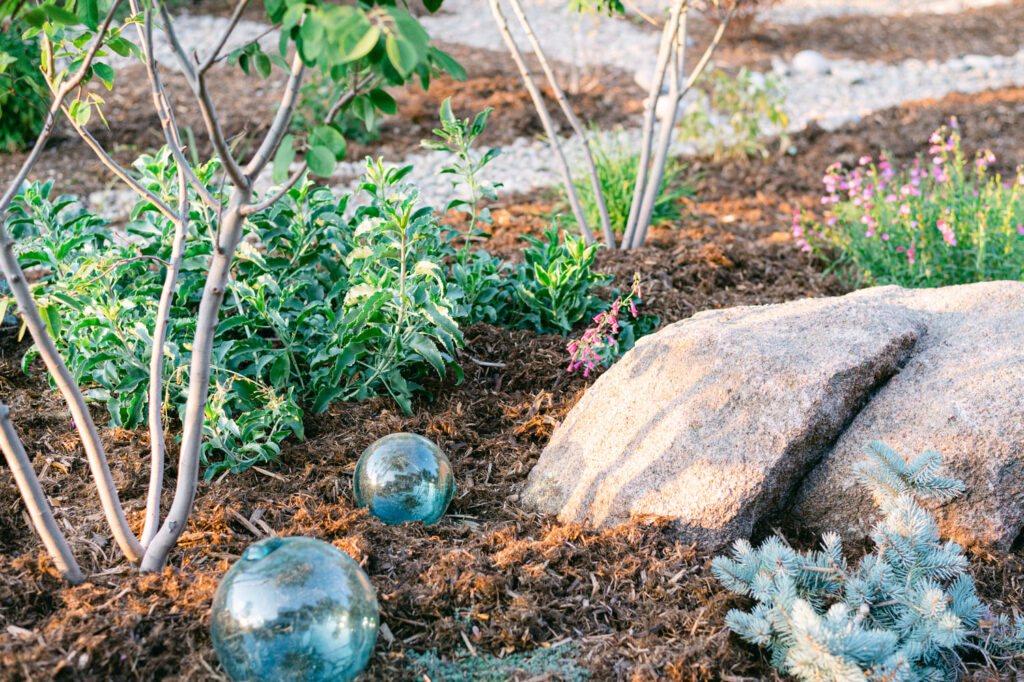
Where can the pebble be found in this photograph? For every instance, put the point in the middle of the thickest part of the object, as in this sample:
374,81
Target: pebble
810,63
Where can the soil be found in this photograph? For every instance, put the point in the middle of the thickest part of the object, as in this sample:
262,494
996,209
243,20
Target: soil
993,30
491,577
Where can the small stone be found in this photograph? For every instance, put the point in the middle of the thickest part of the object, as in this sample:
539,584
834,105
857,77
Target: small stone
811,63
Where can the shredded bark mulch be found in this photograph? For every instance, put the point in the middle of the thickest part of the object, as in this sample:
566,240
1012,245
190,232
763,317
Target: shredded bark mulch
492,577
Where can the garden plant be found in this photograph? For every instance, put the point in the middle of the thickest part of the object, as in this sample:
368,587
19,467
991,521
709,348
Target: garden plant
945,219
908,611
363,47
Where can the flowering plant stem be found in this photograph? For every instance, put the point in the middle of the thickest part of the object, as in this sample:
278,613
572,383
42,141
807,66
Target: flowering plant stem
584,353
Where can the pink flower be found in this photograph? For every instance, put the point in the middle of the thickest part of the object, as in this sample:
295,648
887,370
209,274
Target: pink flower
864,160
1020,228
905,210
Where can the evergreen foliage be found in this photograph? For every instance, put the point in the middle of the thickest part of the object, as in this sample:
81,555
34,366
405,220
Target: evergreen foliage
907,611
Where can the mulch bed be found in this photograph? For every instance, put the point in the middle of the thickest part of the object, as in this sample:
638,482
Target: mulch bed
492,577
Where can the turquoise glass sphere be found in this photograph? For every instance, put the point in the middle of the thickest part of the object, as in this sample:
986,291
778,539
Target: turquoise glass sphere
291,610
404,477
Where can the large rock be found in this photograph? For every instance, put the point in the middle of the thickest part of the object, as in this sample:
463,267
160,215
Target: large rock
713,420
961,393
722,419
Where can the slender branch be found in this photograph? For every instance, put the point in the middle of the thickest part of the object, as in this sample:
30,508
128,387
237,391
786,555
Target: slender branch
361,85
228,30
186,176
252,209
574,122
156,364
298,173
545,118
162,103
197,79
125,261
199,383
95,455
666,126
279,127
172,37
116,168
35,499
668,36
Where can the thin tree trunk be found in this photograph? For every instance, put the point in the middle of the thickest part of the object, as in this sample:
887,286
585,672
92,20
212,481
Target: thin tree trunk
112,509
35,499
156,369
574,121
172,137
199,383
668,35
545,119
666,140
667,127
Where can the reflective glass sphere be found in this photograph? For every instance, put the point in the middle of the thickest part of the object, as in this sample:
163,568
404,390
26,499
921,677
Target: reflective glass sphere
294,609
404,477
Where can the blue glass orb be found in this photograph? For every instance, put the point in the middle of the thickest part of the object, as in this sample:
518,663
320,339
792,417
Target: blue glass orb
291,610
404,477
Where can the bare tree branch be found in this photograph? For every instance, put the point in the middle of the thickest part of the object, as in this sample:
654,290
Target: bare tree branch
228,30
197,79
95,455
545,119
199,383
574,122
297,174
279,126
116,168
35,499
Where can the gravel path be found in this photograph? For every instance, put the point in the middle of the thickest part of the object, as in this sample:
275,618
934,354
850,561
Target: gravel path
831,92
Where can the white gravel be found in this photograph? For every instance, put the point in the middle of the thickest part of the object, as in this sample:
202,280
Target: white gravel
832,93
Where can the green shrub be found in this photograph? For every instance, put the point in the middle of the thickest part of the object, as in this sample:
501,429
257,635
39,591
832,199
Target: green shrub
616,171
554,285
23,94
734,120
320,308
944,220
908,611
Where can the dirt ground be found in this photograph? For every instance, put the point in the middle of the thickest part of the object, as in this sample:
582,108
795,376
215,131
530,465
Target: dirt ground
492,577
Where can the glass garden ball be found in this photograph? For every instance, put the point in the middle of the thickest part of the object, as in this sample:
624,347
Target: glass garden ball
294,609
404,477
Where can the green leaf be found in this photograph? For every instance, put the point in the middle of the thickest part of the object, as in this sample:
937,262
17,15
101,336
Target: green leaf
401,54
383,101
89,10
329,138
432,5
105,73
283,158
320,161
427,350
357,45
263,65
59,15
311,37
